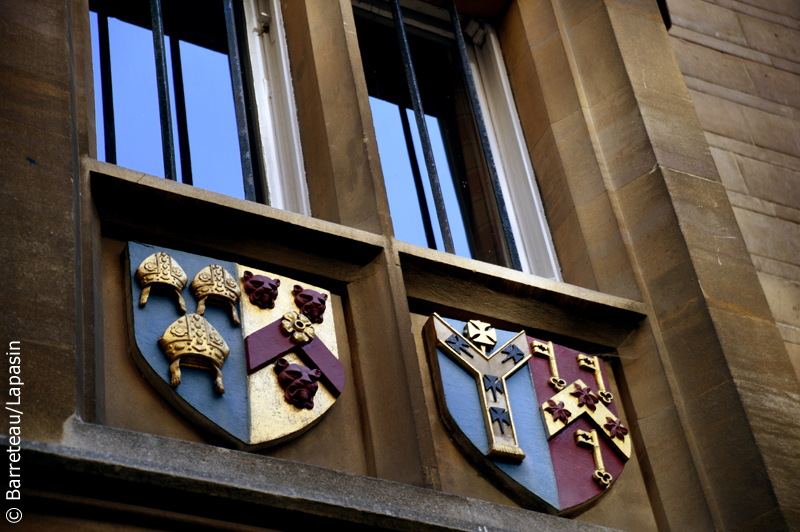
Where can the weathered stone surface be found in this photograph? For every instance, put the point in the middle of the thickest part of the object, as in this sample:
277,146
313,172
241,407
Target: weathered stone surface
721,117
275,487
794,356
553,184
721,262
771,38
772,132
784,299
715,67
335,106
769,237
645,376
720,45
736,478
607,252
649,58
707,18
530,102
775,85
790,272
729,171
622,138
675,134
576,265
785,7
598,60
680,491
574,144
555,77
771,182
660,250
574,13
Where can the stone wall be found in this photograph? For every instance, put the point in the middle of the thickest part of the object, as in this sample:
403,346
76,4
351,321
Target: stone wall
741,62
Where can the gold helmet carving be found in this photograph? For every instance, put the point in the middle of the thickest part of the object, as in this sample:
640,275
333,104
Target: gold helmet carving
161,269
215,284
193,342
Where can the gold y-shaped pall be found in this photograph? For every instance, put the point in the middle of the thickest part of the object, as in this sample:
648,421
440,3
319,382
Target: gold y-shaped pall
589,440
545,350
590,363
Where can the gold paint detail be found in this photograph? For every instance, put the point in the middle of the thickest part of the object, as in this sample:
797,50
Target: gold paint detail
543,350
590,441
193,342
501,433
298,327
502,450
482,334
599,417
591,364
271,417
254,318
214,283
161,269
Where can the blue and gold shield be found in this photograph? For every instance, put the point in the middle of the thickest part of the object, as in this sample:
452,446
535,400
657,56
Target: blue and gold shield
248,356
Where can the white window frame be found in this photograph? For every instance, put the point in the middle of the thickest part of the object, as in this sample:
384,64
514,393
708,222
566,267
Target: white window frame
275,107
512,162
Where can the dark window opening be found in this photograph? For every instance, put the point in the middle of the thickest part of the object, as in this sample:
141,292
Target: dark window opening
208,131
473,215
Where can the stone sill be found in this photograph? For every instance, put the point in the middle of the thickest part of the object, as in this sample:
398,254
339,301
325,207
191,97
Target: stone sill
136,206
140,476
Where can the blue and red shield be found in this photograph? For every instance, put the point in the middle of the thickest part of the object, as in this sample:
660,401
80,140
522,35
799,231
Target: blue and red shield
536,417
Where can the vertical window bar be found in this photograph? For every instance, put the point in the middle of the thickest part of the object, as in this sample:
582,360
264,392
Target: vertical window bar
487,150
180,111
427,150
423,201
239,102
109,132
168,148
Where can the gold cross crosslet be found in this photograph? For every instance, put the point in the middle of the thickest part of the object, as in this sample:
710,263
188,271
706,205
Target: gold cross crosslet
490,371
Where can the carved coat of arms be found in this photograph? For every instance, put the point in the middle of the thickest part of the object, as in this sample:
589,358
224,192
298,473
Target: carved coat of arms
251,378
537,417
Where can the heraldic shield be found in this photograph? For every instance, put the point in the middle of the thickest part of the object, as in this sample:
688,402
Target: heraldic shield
249,379
536,417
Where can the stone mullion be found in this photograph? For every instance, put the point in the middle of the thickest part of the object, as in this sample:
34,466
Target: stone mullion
345,184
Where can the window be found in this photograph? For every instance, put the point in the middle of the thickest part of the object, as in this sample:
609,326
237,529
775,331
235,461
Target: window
502,224
194,106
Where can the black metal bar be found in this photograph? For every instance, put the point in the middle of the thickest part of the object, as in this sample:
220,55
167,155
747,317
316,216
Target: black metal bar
423,201
180,111
427,150
157,25
239,102
256,155
109,133
487,149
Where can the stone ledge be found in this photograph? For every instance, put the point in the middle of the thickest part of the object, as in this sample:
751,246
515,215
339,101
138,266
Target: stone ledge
465,289
154,472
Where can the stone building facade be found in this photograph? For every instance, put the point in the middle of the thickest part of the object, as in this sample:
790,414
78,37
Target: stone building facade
667,164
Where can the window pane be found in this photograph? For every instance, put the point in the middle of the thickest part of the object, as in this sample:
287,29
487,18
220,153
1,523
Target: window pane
172,109
136,119
98,90
403,203
211,120
469,201
451,205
